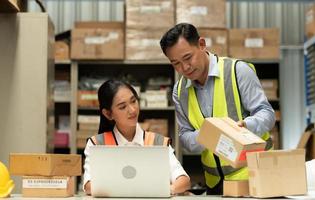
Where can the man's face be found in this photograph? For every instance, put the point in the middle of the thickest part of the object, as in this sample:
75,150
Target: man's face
189,60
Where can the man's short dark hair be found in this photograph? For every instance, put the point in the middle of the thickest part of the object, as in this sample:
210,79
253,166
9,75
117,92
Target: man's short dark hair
185,30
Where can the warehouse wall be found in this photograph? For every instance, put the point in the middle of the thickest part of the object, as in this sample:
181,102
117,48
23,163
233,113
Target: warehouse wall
288,16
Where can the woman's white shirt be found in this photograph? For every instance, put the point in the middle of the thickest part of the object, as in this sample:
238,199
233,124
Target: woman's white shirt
175,166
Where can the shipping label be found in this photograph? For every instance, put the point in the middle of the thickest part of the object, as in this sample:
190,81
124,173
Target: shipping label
226,148
45,183
254,43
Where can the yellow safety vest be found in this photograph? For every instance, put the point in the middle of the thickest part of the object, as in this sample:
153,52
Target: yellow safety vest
226,102
149,138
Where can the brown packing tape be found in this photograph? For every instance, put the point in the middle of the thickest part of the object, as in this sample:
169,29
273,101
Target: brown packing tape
231,123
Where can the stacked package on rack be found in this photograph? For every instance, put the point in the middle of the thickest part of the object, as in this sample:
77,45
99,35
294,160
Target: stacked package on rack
209,17
46,175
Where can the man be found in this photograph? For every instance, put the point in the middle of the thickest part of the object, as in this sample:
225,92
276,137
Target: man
212,86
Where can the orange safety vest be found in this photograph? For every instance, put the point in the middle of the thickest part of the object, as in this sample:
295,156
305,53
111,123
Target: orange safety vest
150,139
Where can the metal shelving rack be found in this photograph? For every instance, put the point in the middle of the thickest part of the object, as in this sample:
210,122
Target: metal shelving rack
309,69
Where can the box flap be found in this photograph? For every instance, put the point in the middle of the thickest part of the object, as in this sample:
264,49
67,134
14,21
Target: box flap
244,135
276,159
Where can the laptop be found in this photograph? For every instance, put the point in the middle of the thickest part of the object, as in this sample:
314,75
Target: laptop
129,171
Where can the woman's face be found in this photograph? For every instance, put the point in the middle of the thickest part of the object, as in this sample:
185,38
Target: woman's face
125,108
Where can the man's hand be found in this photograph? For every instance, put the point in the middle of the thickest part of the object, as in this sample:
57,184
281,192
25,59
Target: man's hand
241,123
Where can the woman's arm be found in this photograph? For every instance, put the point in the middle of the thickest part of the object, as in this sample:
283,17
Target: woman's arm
181,185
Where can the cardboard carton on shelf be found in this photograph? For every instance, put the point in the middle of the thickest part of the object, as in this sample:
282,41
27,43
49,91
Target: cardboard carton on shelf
47,186
98,40
236,188
62,51
254,43
148,13
216,40
277,173
226,139
200,13
269,84
157,126
144,44
37,164
310,22
87,98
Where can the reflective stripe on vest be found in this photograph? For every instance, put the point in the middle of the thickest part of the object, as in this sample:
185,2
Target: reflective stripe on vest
226,102
150,139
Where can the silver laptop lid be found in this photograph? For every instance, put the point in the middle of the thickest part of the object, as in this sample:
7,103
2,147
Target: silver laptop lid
129,171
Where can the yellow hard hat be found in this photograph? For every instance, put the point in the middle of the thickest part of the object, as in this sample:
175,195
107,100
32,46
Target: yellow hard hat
6,184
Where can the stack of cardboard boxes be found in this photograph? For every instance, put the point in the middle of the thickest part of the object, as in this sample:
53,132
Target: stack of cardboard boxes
88,126
98,40
159,126
210,19
146,22
271,173
46,175
254,43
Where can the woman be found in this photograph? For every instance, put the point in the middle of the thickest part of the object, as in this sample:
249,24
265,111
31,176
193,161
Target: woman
119,107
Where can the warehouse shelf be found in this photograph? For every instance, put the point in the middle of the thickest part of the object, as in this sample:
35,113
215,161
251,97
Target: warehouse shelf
170,108
104,68
125,62
58,62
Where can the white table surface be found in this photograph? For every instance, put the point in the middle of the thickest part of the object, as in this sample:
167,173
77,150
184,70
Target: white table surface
195,197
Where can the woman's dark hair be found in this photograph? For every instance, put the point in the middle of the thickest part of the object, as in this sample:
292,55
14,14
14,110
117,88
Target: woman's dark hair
185,30
106,94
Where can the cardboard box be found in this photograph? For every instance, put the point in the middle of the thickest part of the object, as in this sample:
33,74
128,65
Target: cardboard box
158,126
61,50
277,173
36,164
269,84
271,94
47,186
89,126
227,140
144,44
254,43
87,98
216,40
156,98
148,13
310,22
236,188
278,115
201,13
92,119
98,40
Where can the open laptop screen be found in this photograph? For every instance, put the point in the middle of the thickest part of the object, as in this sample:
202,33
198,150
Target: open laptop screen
129,171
